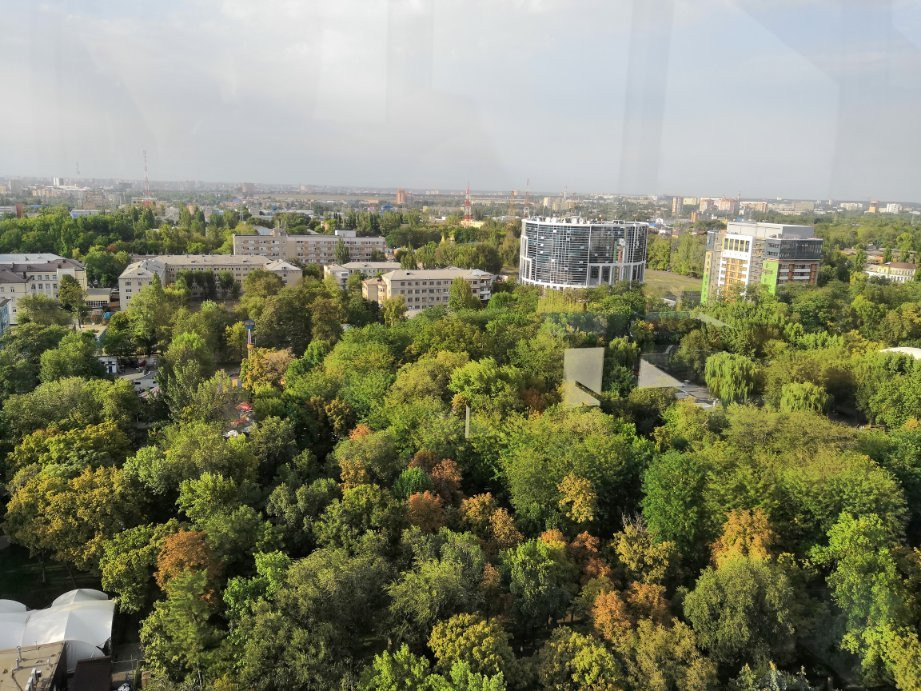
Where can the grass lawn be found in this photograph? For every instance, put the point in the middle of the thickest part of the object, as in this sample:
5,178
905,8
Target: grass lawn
665,282
21,578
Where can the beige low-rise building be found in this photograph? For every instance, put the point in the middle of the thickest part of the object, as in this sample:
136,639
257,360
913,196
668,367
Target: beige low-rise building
35,274
341,272
308,249
896,272
168,266
422,288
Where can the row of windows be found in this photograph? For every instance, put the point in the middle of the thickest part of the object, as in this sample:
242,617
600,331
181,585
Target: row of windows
736,244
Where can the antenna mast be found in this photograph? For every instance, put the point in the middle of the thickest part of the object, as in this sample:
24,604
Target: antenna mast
468,215
146,176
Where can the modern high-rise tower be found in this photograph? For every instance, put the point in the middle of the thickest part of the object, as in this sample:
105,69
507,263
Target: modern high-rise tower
575,253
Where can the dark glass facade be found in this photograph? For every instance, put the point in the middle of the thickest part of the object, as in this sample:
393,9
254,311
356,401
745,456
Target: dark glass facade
569,253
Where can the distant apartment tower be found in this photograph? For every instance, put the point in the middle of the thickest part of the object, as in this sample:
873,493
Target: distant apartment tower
422,288
168,266
35,274
565,253
308,249
766,254
401,197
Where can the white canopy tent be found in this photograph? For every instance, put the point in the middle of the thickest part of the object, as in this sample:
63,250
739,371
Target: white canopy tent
81,618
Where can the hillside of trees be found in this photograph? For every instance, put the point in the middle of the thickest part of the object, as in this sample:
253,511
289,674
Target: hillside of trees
358,537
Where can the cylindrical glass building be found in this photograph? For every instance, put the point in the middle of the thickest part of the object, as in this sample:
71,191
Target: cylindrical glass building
575,253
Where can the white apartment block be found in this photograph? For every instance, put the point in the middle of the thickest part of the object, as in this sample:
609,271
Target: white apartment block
168,266
341,272
308,249
35,274
422,288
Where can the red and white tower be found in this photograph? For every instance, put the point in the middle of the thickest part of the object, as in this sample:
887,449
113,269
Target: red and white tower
468,214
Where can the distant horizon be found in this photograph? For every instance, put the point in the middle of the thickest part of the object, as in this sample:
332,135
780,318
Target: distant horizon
449,190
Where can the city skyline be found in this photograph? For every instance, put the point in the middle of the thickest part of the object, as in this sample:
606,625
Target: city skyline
660,97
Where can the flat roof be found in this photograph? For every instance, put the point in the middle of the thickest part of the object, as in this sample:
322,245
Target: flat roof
436,274
27,258
16,666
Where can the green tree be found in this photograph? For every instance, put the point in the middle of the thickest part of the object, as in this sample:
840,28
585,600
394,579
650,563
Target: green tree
342,252
128,561
803,396
731,378
71,403
543,581
71,518
72,298
461,297
673,502
744,611
541,451
481,643
394,310
487,386
179,638
659,253
866,585
440,584
41,309
20,352
118,338
666,657
571,660
75,356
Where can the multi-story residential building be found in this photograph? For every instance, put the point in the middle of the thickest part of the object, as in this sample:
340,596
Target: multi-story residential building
422,288
896,272
308,249
341,272
168,266
35,274
574,253
766,254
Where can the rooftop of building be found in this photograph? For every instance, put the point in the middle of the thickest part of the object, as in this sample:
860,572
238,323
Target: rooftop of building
358,266
900,265
771,230
96,294
580,221
16,666
46,265
7,276
146,266
450,272
320,237
28,258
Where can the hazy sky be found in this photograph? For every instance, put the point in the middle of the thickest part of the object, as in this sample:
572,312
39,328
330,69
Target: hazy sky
796,98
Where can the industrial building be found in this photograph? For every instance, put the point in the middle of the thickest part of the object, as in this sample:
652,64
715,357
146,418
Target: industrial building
565,253
765,254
